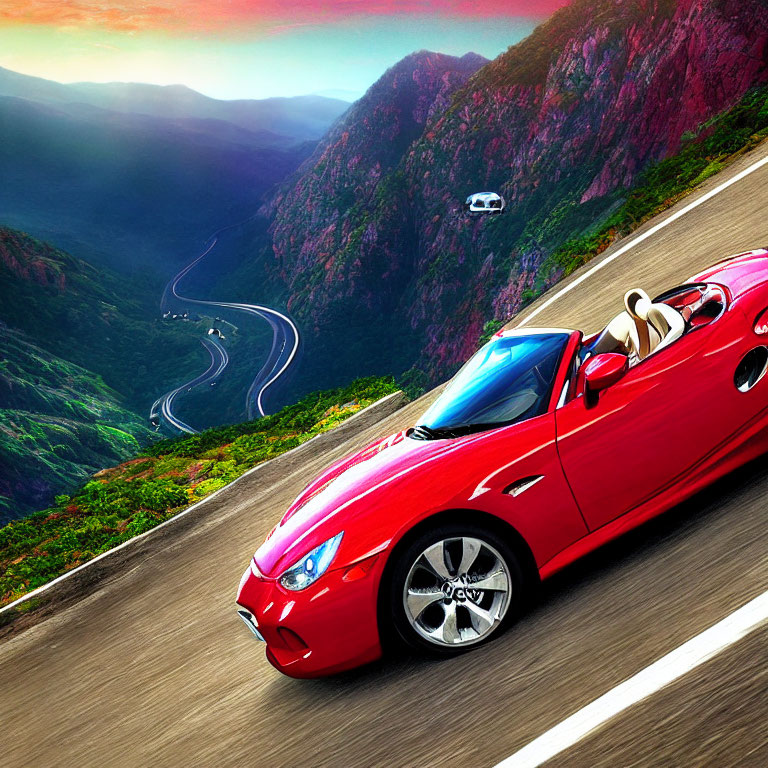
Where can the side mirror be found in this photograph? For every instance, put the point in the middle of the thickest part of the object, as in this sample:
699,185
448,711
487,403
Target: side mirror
603,371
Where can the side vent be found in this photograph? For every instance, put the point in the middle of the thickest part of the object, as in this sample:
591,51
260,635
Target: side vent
751,369
522,485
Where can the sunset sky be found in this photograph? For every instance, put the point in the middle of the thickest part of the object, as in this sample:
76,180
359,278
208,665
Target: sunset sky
251,48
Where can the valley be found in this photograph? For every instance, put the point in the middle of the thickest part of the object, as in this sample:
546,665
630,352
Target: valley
127,181
282,354
352,236
231,326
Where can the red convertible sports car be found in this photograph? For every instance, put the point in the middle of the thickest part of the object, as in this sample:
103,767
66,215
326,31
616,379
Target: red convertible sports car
544,446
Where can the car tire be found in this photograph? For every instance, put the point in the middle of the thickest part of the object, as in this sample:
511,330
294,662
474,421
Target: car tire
454,588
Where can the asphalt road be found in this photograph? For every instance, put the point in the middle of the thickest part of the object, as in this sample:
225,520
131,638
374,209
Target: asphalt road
163,406
156,669
282,354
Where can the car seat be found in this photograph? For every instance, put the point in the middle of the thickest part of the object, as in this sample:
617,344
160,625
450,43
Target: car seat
629,332
646,336
668,322
642,329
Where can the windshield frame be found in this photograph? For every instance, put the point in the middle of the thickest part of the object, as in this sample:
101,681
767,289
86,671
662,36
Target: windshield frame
570,341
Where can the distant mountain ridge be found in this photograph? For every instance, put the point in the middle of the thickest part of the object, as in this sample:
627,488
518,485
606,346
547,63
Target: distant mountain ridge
131,191
369,247
137,176
297,118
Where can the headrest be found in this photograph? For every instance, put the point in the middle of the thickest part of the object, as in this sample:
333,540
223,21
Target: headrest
637,303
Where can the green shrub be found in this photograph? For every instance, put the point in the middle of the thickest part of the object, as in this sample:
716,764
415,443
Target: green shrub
489,329
133,498
142,522
702,154
209,486
160,495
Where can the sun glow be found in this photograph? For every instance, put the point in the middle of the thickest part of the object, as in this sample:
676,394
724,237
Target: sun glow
246,49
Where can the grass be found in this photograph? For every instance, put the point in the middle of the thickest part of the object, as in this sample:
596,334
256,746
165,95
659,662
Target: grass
704,153
122,502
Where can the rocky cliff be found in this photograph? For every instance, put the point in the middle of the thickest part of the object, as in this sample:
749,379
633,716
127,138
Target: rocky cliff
369,236
325,240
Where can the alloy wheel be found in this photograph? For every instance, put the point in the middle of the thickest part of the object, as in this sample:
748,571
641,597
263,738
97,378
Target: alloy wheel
457,591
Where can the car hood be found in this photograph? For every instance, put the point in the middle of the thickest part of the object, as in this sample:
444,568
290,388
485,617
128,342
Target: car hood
330,501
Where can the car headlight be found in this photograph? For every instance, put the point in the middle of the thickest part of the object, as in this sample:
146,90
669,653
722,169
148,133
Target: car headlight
312,566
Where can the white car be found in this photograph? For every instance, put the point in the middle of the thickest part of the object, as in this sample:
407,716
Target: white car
484,202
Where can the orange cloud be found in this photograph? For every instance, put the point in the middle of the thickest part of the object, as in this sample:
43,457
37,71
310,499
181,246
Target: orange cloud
88,13
238,15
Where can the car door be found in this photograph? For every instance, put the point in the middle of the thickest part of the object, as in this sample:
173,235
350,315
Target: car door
665,415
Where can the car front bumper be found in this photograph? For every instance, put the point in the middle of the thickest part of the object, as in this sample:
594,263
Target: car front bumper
327,628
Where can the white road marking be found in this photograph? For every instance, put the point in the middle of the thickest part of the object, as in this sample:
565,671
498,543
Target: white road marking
650,680
256,309
644,236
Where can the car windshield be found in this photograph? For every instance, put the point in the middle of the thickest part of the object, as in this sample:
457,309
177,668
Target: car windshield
508,380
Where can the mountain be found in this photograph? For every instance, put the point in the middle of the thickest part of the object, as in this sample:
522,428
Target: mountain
99,320
340,274
299,118
83,353
369,248
130,191
59,423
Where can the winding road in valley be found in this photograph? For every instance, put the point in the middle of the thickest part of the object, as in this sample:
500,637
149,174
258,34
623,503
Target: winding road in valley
154,667
282,354
163,406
